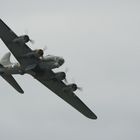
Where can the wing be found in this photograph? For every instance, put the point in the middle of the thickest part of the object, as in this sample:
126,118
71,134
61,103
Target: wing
57,87
17,49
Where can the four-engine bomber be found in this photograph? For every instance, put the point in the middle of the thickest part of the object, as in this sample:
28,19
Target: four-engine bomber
41,67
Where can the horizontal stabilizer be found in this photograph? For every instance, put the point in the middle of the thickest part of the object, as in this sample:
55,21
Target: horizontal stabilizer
10,79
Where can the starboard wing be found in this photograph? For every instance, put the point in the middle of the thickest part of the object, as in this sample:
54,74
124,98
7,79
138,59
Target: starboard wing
57,87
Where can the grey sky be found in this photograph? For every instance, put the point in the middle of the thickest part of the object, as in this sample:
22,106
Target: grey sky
100,43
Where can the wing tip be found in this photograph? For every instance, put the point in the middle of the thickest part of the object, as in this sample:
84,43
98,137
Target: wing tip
21,91
93,116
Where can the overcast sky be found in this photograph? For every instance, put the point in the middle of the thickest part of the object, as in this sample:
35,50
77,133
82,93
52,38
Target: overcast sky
99,40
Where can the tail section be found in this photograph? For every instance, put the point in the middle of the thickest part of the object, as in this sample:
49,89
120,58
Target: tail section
10,79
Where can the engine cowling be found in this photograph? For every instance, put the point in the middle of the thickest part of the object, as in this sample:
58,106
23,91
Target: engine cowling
22,39
60,76
70,88
36,53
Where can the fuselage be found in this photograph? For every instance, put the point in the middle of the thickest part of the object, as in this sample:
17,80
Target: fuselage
46,63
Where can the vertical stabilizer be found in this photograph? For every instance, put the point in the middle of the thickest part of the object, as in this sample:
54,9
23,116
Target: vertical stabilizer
5,60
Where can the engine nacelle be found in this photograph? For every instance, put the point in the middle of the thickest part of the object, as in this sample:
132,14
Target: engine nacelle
22,39
51,62
60,76
70,88
36,53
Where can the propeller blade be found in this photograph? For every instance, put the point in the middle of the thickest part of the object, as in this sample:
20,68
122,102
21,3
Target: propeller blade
65,80
32,41
80,88
27,33
45,48
66,70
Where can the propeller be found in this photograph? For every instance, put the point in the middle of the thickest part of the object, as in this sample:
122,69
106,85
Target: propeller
44,49
66,70
73,81
78,88
65,80
30,40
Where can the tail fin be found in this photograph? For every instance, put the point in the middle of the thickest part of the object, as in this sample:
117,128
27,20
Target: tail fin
5,60
10,79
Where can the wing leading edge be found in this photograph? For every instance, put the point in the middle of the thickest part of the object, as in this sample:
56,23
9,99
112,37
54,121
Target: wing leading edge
57,87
